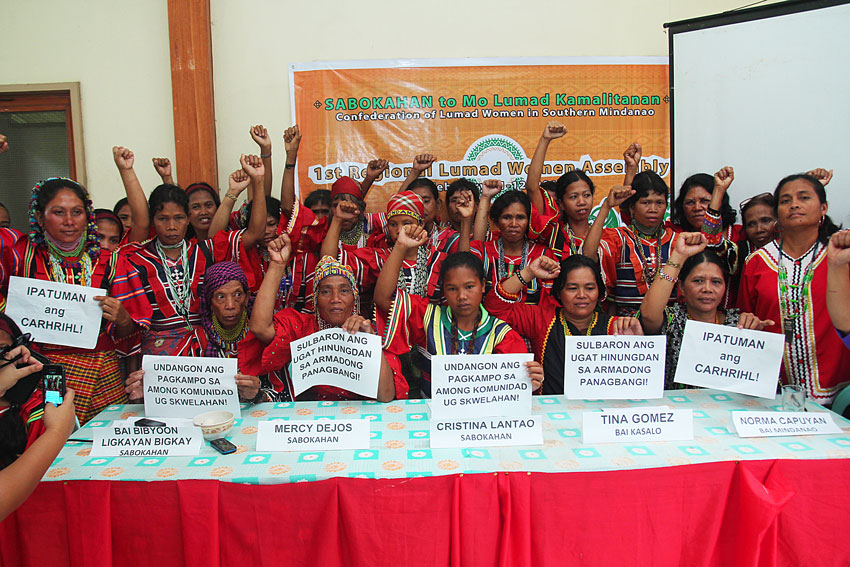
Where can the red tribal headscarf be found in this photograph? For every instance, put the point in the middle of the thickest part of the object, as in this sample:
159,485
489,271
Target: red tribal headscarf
346,186
406,203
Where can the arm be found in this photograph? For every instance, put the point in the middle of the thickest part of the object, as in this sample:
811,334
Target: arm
466,210
412,236
631,157
655,300
420,164
722,180
18,480
291,140
261,136
238,181
262,315
253,166
489,189
616,197
374,170
838,280
162,165
541,267
821,175
135,194
552,131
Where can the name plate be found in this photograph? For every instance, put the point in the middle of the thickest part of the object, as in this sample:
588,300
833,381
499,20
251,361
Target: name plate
730,359
313,435
55,313
660,423
614,368
477,385
122,439
185,386
486,432
782,423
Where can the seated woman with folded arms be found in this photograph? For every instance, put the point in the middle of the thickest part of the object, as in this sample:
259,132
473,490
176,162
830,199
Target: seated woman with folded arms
463,326
266,347
702,277
571,308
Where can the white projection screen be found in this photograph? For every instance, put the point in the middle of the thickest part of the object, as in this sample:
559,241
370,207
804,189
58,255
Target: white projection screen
767,91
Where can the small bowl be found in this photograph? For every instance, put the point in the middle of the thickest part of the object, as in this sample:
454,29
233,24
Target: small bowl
214,424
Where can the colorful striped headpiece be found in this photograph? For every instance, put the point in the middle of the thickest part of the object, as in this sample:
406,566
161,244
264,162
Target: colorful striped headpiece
406,203
327,267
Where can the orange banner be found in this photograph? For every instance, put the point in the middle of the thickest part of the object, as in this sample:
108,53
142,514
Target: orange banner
481,119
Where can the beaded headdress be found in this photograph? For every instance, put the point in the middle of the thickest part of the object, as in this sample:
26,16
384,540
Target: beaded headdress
36,235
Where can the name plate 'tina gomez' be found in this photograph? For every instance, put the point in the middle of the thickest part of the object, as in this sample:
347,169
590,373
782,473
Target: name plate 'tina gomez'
659,423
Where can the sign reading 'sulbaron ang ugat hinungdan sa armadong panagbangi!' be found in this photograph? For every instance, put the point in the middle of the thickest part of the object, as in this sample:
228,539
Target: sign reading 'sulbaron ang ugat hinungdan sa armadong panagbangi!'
481,118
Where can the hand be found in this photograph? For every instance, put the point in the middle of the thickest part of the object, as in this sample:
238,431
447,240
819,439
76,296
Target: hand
261,136
357,323
554,129
465,204
238,181
248,387
535,372
162,165
61,419
346,211
544,268
134,386
4,145
280,249
750,321
253,166
292,139
689,244
10,374
618,195
123,157
114,311
376,167
490,188
412,236
838,251
723,178
821,175
632,155
423,162
626,326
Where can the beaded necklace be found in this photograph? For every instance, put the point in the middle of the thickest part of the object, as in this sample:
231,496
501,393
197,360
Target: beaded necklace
417,284
352,237
285,282
227,339
502,265
180,290
566,326
790,308
570,236
650,265
60,268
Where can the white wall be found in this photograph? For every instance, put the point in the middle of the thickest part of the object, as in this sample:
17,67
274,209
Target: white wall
118,51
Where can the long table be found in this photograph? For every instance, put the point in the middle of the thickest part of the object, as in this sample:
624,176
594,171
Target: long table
716,500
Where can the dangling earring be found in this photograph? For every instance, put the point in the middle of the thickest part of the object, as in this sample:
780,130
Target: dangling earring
822,218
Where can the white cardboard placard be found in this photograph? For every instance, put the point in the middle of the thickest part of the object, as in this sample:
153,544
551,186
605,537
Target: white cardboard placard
55,313
313,435
334,357
730,359
782,423
486,432
621,367
630,425
476,385
185,386
123,439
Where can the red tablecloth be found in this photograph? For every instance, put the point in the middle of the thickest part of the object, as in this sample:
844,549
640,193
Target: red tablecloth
781,512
